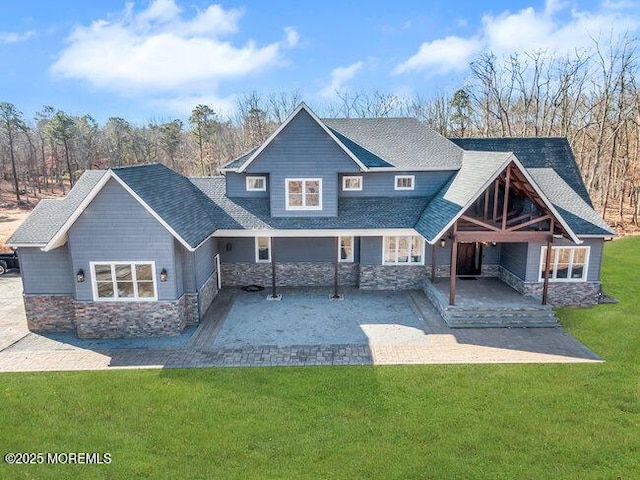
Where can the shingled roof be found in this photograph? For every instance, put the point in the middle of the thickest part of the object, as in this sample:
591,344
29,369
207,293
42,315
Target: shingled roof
403,143
580,215
355,213
193,209
173,198
478,169
389,143
535,152
51,214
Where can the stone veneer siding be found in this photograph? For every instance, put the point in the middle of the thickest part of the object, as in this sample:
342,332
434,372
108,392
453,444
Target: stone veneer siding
567,294
392,277
191,314
49,313
290,274
61,313
208,292
561,294
130,319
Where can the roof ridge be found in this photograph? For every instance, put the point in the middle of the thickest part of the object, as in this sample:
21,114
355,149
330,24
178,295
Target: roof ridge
139,165
532,137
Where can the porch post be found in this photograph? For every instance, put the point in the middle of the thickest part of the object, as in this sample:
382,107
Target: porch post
545,287
336,256
273,268
433,262
505,200
452,278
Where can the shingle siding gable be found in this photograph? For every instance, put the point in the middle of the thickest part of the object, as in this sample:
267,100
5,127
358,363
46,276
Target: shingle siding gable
303,150
115,227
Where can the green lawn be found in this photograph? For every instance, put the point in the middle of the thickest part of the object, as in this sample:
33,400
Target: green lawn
477,421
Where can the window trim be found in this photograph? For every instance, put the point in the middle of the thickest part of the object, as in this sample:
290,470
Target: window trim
554,267
256,177
351,177
115,298
399,177
384,242
349,259
257,249
304,201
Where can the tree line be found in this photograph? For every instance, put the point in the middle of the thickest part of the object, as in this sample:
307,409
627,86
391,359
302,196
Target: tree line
590,96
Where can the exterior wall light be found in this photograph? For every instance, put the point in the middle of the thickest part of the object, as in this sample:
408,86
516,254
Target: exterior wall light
80,276
164,275
443,242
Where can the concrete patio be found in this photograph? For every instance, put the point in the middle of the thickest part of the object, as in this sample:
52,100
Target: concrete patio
305,328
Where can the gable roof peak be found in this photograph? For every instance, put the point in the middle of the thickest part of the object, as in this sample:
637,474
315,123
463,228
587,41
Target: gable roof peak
289,119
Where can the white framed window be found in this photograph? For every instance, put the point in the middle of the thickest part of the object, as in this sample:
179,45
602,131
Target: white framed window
403,250
568,264
263,249
352,183
303,193
256,184
405,182
124,281
345,253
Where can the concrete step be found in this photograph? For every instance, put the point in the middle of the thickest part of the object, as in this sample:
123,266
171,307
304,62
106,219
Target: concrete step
496,311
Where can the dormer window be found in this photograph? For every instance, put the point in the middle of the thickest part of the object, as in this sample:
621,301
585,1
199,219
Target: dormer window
405,182
257,184
304,193
352,183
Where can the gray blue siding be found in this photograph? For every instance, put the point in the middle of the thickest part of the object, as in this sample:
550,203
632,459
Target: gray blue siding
237,249
513,257
305,249
382,184
47,272
287,249
371,251
205,260
187,261
303,150
237,185
178,251
595,258
115,227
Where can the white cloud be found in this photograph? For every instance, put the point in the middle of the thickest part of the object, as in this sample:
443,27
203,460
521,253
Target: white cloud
556,28
339,77
292,37
443,55
158,50
620,4
15,37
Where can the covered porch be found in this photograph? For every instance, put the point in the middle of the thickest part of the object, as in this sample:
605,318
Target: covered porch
506,208
487,302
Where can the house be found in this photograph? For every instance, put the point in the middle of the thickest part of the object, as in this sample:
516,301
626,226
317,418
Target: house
376,203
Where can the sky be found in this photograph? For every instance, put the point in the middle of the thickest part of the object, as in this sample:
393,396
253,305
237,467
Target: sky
157,59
